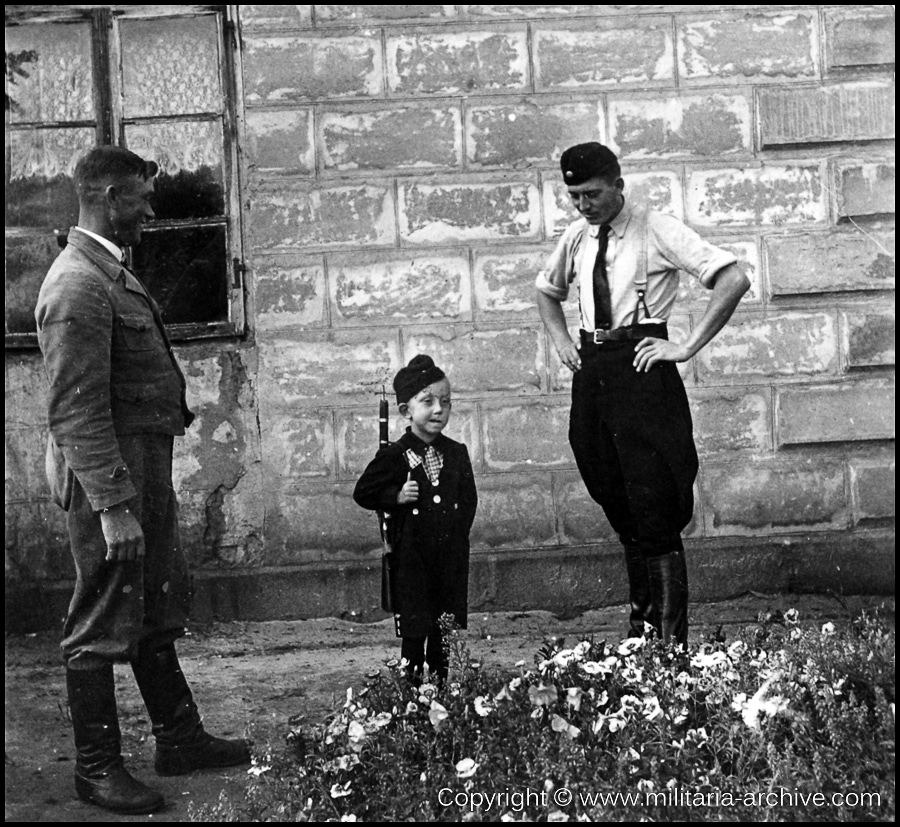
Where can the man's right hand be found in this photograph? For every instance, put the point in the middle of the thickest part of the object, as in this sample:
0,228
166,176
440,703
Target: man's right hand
123,534
570,356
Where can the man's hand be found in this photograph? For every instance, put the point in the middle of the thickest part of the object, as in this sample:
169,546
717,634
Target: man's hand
569,355
410,491
123,534
649,351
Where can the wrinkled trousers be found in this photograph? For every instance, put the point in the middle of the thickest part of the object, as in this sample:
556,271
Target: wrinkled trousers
116,606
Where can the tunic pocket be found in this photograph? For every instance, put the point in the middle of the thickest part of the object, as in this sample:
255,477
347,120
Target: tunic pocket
138,332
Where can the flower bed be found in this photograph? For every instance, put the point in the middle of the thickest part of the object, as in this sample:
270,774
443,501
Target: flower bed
785,723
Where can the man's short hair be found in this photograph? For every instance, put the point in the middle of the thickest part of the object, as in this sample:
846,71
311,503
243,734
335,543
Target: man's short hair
582,162
104,165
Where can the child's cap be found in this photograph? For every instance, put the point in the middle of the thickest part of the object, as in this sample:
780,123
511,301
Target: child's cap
418,374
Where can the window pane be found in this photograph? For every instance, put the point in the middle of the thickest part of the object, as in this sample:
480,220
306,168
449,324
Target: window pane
40,163
189,154
28,258
171,66
186,271
49,73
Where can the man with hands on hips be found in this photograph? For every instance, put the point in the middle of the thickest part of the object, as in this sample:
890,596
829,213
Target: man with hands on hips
630,424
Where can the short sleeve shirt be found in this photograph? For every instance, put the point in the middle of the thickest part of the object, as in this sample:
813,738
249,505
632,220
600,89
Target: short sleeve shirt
671,247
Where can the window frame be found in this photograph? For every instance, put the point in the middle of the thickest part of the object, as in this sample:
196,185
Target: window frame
110,125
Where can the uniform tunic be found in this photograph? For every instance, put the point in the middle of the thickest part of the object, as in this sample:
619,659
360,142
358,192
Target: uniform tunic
429,537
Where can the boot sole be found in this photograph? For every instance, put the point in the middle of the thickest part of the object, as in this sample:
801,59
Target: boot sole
134,811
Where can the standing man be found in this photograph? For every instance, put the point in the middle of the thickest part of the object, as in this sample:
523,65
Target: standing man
630,424
116,401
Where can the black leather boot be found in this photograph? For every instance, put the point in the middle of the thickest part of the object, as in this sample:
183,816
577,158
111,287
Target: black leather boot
100,774
669,588
182,745
639,591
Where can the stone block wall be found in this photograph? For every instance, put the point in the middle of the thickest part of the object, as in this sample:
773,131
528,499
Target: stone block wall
401,192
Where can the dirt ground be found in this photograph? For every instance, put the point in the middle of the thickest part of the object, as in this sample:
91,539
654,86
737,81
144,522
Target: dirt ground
252,678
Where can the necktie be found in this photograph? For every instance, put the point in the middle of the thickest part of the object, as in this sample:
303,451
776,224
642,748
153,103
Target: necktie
433,464
602,300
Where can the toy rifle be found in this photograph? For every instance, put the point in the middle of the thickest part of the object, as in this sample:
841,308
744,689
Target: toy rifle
388,603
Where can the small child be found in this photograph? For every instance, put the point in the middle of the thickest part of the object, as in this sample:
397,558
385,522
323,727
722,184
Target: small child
425,481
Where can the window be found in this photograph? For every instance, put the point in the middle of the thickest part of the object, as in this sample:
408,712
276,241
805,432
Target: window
158,80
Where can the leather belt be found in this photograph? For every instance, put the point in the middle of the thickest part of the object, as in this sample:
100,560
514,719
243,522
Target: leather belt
625,334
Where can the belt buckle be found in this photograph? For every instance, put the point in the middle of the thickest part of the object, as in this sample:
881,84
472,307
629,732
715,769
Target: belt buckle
600,336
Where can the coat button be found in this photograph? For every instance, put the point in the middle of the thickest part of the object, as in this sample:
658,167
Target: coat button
119,472
415,511
437,498
436,483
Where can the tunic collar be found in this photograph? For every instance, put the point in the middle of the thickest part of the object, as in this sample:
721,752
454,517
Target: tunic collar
410,440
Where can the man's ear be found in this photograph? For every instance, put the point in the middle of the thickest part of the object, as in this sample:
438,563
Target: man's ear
111,195
404,409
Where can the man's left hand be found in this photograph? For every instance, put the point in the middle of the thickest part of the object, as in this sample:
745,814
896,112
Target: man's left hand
649,351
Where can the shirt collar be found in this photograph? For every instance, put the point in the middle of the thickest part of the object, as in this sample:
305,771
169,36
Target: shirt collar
617,225
115,250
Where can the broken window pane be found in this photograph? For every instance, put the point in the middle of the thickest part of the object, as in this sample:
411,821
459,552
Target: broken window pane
49,73
189,154
185,270
171,66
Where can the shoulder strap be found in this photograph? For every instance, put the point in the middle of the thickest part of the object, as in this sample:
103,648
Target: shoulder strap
640,271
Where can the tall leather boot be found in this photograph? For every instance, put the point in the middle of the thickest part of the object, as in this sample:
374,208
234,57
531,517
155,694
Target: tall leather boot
639,591
100,774
669,588
182,744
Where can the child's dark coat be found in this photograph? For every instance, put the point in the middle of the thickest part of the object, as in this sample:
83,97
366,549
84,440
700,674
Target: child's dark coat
430,537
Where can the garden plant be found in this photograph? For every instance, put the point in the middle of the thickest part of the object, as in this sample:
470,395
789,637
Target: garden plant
786,722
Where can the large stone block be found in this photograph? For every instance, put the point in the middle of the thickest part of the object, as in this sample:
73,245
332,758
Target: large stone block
865,189
298,445
275,17
281,141
832,262
772,195
688,126
358,434
342,15
482,361
528,132
873,483
849,412
859,36
581,520
387,289
398,137
825,114
339,367
284,68
731,420
469,210
290,292
527,435
504,281
603,54
457,61
789,344
749,47
765,498
869,339
691,291
296,216
514,510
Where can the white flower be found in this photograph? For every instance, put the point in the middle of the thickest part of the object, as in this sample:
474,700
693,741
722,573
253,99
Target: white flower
652,709
356,735
827,629
514,684
349,817
574,695
347,762
737,649
483,706
340,790
582,649
631,644
630,674
792,616
438,714
557,815
592,667
466,768
411,707
560,724
543,695
258,769
759,704
645,785
380,721
503,695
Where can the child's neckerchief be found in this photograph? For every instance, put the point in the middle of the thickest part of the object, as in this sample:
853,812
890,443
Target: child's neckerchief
433,462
